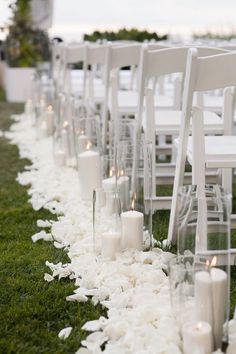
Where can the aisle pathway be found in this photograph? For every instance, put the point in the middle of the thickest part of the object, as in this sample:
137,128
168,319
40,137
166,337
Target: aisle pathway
134,288
32,311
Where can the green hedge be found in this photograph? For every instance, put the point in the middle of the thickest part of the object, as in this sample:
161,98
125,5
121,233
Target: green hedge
124,34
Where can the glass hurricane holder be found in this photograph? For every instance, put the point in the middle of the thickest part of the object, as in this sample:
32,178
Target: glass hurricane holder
204,231
86,134
63,122
88,160
134,182
123,130
184,274
43,94
106,211
59,153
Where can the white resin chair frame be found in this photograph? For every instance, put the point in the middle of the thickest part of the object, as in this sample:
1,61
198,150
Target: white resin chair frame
202,74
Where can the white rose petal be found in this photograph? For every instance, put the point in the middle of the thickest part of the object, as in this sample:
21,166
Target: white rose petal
48,277
83,351
65,332
42,235
43,223
58,245
77,297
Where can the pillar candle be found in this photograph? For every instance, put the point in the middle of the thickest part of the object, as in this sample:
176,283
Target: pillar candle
197,338
132,229
49,117
124,187
109,186
42,130
82,143
29,109
110,244
60,158
89,173
211,300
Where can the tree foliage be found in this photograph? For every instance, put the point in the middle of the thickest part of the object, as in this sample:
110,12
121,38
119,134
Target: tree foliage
25,46
124,34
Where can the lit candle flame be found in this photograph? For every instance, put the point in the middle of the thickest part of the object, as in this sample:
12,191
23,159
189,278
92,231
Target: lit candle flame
122,173
50,109
199,326
132,205
212,264
133,201
65,124
89,145
111,173
214,261
82,132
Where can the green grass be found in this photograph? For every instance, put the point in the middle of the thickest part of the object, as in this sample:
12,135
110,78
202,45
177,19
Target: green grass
32,311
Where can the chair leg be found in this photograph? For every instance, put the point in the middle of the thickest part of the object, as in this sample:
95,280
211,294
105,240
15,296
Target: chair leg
227,179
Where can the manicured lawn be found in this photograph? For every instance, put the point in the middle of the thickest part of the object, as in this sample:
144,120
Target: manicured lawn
32,311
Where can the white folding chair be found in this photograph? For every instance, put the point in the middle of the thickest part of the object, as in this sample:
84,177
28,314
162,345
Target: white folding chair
117,57
95,57
166,122
72,81
204,73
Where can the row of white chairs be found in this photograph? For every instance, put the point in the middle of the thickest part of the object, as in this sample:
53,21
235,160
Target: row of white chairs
202,69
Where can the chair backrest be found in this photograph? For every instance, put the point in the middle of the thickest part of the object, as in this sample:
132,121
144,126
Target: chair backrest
117,57
57,53
95,54
155,63
72,54
202,73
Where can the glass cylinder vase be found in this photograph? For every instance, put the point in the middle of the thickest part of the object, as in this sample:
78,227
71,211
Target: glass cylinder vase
134,182
204,231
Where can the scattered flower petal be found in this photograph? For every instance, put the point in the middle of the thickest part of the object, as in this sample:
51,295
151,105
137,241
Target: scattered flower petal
48,277
42,235
65,332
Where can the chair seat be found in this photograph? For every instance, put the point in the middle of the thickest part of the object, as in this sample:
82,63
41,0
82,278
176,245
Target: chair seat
128,102
220,151
167,122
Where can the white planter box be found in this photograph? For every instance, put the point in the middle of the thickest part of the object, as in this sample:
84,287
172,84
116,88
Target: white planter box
18,83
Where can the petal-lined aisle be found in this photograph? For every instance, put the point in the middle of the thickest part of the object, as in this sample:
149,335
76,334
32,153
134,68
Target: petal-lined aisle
32,311
134,288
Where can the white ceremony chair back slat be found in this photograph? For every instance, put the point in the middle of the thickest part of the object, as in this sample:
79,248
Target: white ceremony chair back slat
117,57
204,73
155,64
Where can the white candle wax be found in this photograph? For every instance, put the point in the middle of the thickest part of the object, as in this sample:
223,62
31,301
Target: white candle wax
49,117
124,187
110,203
219,294
60,158
89,173
109,186
197,338
132,229
211,300
110,244
29,109
65,141
42,130
203,299
82,143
